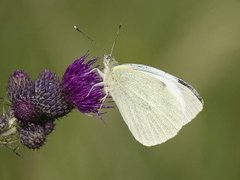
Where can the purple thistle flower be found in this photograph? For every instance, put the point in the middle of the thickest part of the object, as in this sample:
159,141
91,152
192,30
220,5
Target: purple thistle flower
32,136
48,98
78,80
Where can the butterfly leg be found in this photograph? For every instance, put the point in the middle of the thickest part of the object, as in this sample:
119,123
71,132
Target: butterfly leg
102,102
96,70
95,85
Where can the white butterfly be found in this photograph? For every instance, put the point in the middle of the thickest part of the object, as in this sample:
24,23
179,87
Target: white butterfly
155,105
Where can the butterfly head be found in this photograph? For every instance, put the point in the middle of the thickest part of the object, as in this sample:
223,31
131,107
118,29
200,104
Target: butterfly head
109,61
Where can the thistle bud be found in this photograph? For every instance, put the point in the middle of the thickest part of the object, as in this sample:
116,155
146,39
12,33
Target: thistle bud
49,99
32,136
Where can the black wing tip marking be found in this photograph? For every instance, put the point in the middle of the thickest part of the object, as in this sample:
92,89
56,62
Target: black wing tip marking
192,89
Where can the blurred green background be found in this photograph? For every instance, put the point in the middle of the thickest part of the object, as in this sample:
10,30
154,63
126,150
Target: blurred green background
198,41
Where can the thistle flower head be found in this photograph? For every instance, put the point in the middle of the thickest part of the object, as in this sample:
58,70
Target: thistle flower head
48,98
32,136
78,80
20,87
20,90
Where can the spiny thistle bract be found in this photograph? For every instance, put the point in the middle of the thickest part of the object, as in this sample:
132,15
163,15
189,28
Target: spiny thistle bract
48,126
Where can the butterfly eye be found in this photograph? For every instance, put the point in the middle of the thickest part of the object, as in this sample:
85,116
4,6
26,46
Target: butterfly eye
108,57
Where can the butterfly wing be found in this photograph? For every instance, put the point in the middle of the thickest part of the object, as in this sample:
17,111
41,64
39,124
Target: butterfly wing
185,93
151,107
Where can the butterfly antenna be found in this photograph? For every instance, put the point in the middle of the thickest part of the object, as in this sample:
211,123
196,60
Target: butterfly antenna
83,33
89,38
115,40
